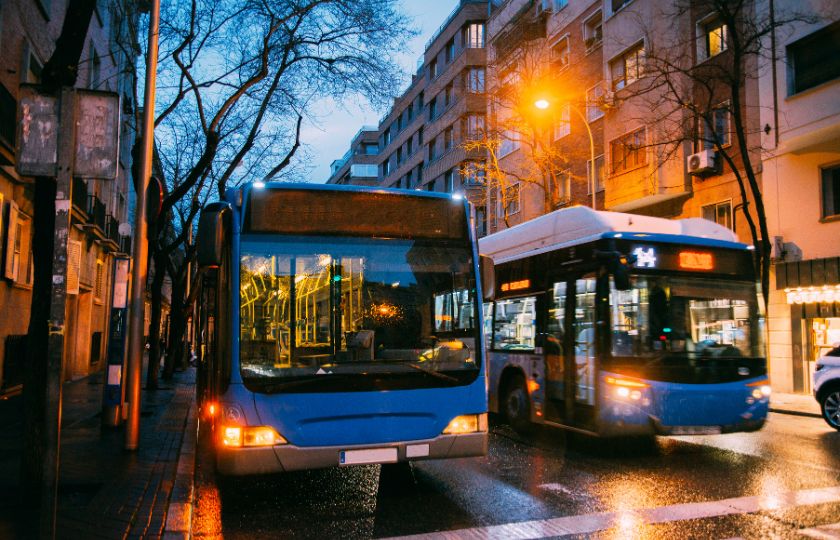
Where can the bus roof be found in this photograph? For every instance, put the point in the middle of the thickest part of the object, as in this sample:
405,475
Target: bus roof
580,224
232,193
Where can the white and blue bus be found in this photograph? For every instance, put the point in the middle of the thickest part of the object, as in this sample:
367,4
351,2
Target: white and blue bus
339,326
615,324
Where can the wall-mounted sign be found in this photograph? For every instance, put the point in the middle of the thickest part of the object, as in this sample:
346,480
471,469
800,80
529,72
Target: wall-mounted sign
813,295
520,285
37,141
696,260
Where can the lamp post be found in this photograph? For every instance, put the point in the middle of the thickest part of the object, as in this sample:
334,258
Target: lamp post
543,104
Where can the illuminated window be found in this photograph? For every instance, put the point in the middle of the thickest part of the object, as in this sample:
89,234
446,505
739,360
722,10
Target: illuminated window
563,126
715,36
628,151
628,67
474,36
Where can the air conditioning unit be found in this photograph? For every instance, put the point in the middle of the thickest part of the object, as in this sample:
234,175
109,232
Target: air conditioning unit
702,163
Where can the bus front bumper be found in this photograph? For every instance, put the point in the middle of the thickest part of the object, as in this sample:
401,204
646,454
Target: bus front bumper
287,457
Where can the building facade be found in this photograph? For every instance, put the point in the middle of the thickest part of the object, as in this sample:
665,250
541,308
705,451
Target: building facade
28,31
800,114
359,164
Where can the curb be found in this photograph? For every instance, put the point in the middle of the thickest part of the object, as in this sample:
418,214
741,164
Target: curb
179,513
794,413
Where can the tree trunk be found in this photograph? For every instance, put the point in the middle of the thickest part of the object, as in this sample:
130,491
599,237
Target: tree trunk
156,290
176,348
34,386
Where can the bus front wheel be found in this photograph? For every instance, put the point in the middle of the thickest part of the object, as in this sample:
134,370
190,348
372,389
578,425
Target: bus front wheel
517,405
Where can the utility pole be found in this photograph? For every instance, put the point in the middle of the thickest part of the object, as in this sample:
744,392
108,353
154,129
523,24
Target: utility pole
139,270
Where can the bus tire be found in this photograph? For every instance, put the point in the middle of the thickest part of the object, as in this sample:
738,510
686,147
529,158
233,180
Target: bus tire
516,405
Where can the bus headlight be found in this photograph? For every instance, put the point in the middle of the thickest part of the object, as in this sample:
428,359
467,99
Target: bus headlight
627,388
466,423
250,436
760,389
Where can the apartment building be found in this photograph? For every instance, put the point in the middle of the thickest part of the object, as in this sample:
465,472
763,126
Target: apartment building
28,30
545,67
359,165
800,139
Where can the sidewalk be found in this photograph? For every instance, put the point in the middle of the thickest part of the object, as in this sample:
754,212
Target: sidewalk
797,404
104,491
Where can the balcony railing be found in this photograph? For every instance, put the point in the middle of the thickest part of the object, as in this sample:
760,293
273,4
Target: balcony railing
125,244
80,195
96,212
112,231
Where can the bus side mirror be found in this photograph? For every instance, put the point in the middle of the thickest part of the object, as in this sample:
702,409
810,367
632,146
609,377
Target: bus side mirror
488,277
211,234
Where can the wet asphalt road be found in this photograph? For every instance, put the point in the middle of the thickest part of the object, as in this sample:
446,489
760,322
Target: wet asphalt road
770,480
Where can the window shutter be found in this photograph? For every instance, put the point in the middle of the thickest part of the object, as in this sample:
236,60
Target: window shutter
10,270
74,262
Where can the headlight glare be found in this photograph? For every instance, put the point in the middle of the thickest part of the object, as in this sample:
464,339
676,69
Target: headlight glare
250,436
466,423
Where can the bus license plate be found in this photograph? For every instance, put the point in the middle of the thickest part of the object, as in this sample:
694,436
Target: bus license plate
695,430
362,457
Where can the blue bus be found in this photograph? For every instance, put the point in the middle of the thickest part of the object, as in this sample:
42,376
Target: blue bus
339,326
615,324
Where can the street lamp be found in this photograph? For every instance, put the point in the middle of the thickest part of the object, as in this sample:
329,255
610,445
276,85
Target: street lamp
544,104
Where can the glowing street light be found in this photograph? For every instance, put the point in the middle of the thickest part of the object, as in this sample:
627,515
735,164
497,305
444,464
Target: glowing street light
543,104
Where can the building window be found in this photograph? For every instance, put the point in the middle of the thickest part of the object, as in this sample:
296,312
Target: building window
433,71
94,70
433,108
409,146
594,102
512,200
475,127
475,80
371,149
831,191
593,33
399,156
509,143
447,138
716,129
432,149
560,53
449,181
8,118
814,59
99,282
628,151
18,263
715,37
447,96
563,126
564,187
474,36
450,50
599,174
720,213
628,67
618,4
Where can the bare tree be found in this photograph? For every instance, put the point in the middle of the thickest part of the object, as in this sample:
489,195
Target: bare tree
236,81
525,103
699,92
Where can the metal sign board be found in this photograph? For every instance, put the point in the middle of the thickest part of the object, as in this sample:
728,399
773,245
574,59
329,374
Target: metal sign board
97,134
37,141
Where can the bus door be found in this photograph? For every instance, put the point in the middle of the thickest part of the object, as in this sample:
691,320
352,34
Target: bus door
581,358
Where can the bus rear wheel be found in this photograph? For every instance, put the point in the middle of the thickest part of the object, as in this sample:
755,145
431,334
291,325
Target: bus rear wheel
516,405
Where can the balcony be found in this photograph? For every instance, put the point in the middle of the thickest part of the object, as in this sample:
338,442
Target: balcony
79,198
125,244
112,233
96,215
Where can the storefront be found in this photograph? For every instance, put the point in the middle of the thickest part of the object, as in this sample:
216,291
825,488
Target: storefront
812,291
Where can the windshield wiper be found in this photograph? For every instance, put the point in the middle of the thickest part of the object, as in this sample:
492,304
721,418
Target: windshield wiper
434,373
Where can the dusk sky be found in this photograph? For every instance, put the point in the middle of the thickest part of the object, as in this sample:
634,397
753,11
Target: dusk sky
337,123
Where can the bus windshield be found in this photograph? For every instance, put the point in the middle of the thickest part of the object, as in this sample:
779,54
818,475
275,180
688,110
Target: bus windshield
347,314
712,318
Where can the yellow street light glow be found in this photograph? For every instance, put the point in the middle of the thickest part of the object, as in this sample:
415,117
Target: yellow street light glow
542,104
